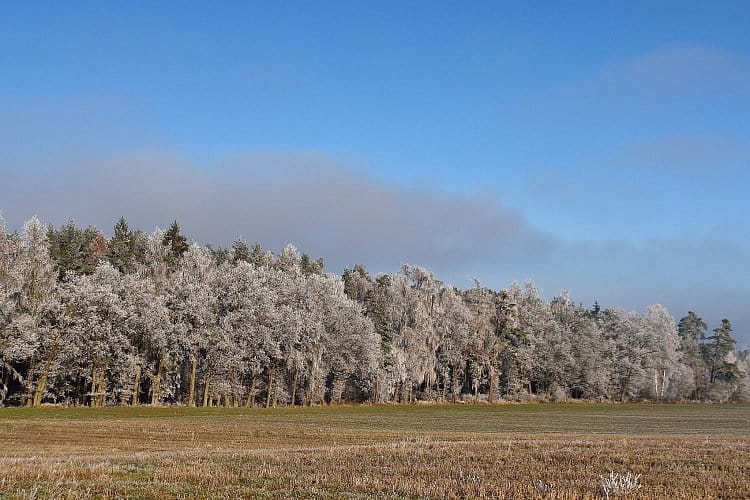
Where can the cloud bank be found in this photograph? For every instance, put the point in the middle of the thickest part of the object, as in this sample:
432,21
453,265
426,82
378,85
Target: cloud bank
329,210
610,217
308,198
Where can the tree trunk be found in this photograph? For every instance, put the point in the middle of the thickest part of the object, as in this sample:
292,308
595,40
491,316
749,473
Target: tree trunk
29,390
206,390
102,391
156,383
454,384
269,388
42,383
94,386
294,387
527,381
550,384
307,396
251,393
191,393
136,389
80,388
491,394
625,385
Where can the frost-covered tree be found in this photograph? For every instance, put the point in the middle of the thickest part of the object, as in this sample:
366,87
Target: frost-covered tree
413,340
152,319
192,304
30,339
692,332
553,361
486,342
9,294
352,351
452,327
721,361
663,359
590,378
92,317
529,318
156,260
147,323
357,283
250,326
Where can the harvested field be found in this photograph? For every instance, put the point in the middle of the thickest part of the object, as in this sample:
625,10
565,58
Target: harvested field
430,451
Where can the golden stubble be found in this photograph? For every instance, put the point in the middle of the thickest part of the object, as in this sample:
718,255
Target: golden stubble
436,451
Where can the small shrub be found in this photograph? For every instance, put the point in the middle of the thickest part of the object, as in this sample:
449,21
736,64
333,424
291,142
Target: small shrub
617,484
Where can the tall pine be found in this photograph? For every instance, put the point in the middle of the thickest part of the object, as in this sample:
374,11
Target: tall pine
692,332
176,243
716,353
121,248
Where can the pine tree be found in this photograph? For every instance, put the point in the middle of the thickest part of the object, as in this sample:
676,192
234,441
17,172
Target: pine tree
596,310
71,249
717,353
692,331
176,244
121,247
692,328
310,266
241,251
357,283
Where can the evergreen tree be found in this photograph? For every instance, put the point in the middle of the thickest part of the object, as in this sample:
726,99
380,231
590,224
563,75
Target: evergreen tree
71,247
220,255
241,251
357,283
692,331
310,266
176,244
596,311
257,256
717,352
121,248
692,328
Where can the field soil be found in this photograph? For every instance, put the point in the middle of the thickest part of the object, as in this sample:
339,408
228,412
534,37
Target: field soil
385,451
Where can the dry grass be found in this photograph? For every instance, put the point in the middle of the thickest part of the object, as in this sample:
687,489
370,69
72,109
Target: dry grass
492,451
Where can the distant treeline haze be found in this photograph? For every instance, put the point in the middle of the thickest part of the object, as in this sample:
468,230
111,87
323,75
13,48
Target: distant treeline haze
151,319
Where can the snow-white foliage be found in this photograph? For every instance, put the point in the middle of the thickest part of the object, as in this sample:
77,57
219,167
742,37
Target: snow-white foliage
187,324
617,484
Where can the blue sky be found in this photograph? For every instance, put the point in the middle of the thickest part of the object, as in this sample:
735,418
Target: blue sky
598,148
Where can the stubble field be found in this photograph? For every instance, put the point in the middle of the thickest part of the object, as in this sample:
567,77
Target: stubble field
418,451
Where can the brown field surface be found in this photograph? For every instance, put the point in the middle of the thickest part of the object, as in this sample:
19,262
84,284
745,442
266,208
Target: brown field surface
385,451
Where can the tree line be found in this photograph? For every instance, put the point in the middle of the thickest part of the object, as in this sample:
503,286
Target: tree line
153,319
